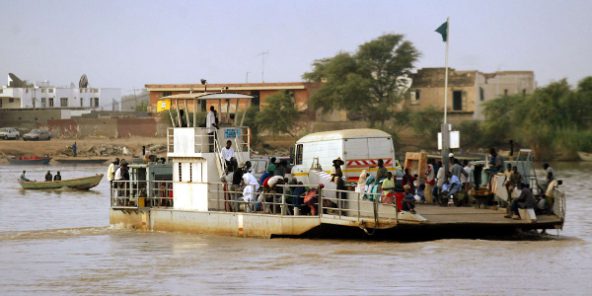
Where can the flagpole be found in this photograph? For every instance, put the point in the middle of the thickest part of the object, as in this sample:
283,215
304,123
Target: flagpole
446,70
445,127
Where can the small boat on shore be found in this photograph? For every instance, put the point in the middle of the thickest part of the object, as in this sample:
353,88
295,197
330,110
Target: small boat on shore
84,183
29,160
585,156
80,160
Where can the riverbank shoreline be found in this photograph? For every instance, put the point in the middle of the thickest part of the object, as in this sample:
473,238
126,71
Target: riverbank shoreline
86,148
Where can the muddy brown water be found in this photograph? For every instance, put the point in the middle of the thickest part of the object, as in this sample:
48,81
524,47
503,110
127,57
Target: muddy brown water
60,243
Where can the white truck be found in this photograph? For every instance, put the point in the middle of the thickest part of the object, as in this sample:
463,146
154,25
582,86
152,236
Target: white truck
360,149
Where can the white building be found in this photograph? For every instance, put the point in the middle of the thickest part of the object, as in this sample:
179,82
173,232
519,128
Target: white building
43,95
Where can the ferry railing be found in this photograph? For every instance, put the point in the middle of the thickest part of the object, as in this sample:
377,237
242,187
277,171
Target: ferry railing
282,200
330,203
139,194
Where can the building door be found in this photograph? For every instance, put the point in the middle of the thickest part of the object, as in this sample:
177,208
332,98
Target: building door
457,100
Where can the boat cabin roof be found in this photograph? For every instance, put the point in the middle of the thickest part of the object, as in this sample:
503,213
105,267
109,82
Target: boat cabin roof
207,96
344,134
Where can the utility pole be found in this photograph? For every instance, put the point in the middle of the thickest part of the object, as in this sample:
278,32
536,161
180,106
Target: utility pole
262,55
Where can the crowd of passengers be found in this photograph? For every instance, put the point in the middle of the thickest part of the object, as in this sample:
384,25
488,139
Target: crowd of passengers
435,186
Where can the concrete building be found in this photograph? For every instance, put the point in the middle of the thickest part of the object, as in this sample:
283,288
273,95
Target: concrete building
42,95
260,91
467,90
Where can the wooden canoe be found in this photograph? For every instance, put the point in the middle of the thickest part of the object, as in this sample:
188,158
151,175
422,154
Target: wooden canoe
80,160
585,156
85,183
29,160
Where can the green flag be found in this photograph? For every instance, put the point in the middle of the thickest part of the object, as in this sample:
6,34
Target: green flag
443,30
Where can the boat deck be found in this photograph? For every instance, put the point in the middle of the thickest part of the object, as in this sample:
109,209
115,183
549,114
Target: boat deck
471,215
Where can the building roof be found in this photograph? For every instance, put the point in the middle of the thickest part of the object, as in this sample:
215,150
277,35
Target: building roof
344,134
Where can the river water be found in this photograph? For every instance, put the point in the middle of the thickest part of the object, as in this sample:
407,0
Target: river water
60,243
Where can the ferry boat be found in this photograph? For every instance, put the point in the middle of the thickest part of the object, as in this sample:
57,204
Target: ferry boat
192,191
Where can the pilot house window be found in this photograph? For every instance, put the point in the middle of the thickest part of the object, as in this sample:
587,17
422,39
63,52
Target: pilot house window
298,159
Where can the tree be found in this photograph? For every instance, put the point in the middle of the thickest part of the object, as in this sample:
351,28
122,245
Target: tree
280,115
364,83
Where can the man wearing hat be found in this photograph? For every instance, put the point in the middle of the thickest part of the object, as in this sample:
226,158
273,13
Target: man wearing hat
337,163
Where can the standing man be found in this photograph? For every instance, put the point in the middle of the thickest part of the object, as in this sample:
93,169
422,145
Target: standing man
111,170
74,149
211,125
430,181
228,154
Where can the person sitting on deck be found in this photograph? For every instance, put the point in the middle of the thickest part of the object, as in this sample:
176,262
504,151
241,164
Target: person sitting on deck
408,179
388,189
57,176
48,176
450,187
23,178
409,200
526,200
381,171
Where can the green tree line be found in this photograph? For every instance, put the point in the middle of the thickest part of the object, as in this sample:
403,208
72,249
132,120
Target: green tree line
554,120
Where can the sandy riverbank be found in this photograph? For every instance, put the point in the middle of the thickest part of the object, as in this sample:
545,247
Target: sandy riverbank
88,147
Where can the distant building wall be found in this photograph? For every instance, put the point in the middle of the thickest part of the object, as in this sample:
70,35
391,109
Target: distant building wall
27,119
105,127
144,127
467,90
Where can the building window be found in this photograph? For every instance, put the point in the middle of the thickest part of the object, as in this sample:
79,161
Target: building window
481,94
34,102
96,102
81,102
1,90
180,173
50,102
505,92
63,102
417,94
11,100
190,172
50,90
43,90
299,154
457,100
43,103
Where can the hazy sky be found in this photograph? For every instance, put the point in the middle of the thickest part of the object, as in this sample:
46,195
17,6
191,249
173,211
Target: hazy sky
127,44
